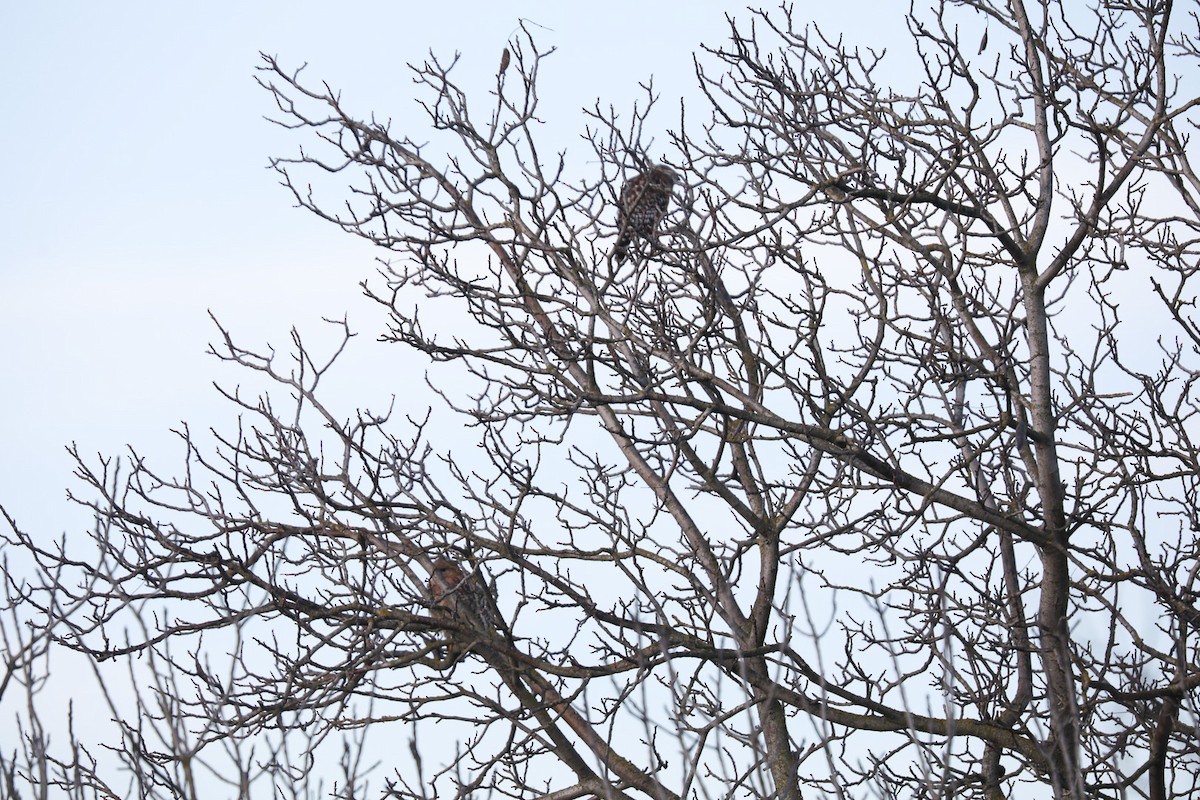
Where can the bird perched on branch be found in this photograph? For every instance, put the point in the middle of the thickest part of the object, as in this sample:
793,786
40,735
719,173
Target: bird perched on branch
463,597
643,203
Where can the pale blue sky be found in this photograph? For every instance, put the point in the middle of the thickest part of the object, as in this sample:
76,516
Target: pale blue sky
135,194
135,197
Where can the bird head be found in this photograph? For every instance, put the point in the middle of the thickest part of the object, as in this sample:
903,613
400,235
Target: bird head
664,176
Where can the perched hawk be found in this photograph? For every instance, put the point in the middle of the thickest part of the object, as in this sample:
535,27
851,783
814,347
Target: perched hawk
642,205
462,597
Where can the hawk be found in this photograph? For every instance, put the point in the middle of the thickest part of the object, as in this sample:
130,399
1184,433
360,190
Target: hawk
462,597
642,205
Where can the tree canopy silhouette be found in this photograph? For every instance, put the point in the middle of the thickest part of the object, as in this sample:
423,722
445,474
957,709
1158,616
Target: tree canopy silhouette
872,475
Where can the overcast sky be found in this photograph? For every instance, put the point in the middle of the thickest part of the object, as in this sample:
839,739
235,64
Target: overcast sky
135,194
135,198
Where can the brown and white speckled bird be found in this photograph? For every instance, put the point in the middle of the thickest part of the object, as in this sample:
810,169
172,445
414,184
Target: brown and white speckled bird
643,203
463,597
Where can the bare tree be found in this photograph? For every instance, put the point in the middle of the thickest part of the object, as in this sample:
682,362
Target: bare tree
870,474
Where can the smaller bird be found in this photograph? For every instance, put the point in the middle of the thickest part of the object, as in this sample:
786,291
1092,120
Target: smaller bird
643,203
465,598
